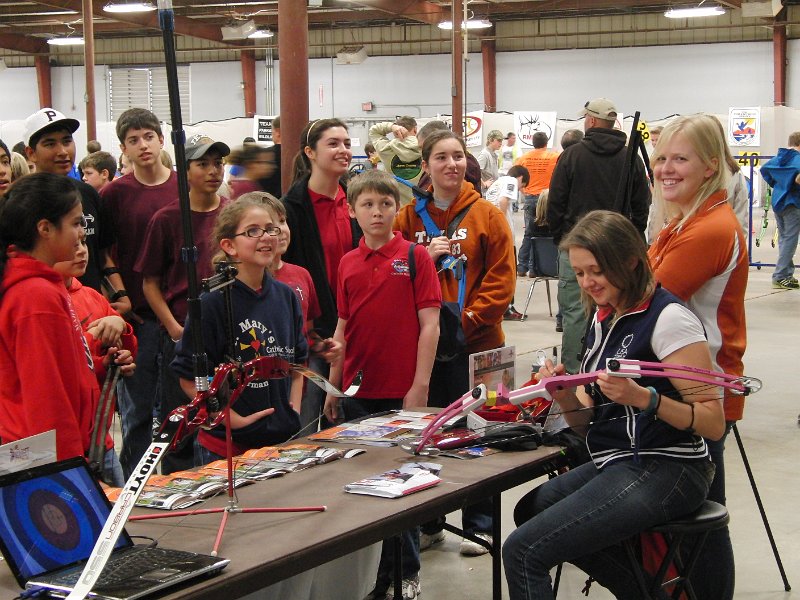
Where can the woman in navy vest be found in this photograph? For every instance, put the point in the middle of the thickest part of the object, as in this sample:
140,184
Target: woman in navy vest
645,436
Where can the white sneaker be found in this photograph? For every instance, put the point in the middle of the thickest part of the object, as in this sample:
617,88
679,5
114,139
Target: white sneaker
470,548
426,540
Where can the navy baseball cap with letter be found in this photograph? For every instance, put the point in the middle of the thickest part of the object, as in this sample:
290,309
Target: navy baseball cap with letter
600,108
198,145
47,119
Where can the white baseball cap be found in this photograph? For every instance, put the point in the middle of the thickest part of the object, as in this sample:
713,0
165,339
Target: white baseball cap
47,119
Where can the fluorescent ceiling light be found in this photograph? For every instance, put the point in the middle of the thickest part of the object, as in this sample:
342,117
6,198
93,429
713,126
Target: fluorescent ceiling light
468,24
260,34
66,41
129,7
697,11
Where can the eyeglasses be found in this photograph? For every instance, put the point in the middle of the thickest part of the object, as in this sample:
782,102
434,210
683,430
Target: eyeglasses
257,232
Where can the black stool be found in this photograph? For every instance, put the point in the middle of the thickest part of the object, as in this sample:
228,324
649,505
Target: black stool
709,517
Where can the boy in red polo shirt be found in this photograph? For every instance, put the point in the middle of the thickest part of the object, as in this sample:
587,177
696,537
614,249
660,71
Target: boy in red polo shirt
389,327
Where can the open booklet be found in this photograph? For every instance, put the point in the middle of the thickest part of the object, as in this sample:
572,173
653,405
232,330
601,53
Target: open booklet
410,478
385,429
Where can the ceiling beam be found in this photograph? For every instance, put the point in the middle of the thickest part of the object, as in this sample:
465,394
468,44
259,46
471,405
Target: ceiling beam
416,10
183,25
23,43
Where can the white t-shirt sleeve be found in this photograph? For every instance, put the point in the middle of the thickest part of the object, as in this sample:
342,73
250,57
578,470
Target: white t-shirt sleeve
676,328
504,187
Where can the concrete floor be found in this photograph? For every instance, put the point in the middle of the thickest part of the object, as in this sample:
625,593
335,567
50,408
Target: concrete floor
770,435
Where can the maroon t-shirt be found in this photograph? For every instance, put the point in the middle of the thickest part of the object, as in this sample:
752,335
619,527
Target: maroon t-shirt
242,186
128,206
335,232
300,281
161,253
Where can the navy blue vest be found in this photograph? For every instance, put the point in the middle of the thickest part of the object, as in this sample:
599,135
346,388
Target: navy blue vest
620,431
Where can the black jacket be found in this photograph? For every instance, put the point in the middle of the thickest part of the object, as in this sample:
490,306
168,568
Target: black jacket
587,177
305,249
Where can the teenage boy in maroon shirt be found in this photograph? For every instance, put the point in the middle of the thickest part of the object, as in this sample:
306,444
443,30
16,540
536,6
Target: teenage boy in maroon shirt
129,202
164,278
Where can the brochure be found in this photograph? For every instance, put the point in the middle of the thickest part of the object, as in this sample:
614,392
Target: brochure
410,478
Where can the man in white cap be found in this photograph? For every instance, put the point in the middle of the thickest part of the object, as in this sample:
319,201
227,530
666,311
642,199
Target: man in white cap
586,178
50,146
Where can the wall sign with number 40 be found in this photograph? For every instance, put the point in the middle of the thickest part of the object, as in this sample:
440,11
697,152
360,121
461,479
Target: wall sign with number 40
644,131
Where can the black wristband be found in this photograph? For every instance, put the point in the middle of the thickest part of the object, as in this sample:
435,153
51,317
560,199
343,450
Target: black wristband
118,294
690,428
110,271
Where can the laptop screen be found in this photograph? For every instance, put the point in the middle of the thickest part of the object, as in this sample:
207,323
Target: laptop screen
51,517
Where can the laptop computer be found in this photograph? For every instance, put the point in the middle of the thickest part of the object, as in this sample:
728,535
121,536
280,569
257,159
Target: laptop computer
50,518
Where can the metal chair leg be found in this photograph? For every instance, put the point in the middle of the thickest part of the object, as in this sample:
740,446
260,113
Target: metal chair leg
528,301
749,471
549,303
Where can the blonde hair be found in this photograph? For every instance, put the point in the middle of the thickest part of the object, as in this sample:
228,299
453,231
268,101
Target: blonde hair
541,208
19,166
704,134
266,200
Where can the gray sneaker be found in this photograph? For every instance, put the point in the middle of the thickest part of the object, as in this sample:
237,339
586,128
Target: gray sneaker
410,588
790,283
426,540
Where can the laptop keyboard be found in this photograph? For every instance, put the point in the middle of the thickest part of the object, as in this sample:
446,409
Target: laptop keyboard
128,565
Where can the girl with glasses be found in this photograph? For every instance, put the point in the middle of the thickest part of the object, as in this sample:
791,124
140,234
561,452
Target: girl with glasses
267,321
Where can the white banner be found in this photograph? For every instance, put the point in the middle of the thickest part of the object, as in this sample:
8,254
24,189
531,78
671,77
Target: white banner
526,123
744,126
472,126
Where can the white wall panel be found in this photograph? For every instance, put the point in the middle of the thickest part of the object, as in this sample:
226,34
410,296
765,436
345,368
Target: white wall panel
216,91
19,96
658,81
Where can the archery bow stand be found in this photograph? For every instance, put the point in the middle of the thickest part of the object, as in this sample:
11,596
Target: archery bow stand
211,408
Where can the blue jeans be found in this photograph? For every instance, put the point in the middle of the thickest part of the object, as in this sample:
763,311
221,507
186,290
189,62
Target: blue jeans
202,455
136,396
715,573
788,221
112,470
582,517
314,398
358,408
169,396
573,315
525,258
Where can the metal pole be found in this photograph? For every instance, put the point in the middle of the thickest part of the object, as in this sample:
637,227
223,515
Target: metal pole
166,19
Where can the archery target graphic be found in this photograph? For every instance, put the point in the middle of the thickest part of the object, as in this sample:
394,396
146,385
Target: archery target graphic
50,522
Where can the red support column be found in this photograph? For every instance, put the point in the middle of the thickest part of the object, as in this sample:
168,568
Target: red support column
458,68
88,62
488,54
43,80
293,57
248,60
779,59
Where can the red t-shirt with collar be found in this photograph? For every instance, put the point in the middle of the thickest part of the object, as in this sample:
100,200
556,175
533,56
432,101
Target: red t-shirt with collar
380,302
335,233
299,279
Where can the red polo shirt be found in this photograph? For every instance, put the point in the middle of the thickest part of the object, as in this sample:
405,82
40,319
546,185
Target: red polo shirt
379,302
335,232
